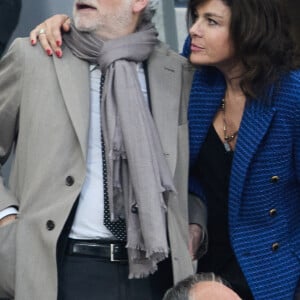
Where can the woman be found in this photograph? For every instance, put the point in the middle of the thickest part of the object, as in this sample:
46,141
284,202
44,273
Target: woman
244,120
244,141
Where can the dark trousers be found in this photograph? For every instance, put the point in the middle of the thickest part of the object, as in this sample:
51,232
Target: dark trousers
89,278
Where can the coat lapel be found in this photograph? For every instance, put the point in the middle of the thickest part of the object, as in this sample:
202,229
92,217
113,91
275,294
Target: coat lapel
254,126
73,77
165,85
207,93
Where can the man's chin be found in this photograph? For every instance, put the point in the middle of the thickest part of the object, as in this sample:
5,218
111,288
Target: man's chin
84,25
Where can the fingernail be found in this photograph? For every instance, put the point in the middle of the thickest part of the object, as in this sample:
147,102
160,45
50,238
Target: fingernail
58,43
49,52
32,42
58,53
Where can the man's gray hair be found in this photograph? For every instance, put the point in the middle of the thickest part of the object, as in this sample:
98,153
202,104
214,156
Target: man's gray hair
149,11
181,291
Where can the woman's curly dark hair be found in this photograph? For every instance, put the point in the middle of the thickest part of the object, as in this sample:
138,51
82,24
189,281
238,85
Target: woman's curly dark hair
261,34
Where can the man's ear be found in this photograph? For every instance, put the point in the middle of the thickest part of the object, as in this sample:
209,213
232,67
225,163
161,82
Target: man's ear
139,5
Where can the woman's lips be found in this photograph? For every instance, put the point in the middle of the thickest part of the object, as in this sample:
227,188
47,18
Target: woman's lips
196,48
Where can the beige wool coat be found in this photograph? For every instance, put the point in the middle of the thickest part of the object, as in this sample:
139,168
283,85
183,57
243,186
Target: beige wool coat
44,120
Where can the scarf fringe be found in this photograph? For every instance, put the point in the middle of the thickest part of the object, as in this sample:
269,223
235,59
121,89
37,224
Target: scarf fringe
146,253
141,275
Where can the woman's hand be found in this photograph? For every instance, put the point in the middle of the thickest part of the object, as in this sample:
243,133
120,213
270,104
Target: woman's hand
49,34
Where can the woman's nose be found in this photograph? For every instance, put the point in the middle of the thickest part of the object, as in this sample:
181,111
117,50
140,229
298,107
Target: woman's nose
196,29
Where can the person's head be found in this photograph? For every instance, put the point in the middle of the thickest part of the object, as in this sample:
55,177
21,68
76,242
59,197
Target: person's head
249,38
201,286
111,19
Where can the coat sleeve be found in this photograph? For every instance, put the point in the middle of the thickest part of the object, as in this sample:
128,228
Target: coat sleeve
11,67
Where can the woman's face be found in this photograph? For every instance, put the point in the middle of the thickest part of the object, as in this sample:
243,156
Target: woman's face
211,42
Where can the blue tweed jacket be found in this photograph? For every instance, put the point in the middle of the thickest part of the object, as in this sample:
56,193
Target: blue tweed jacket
264,192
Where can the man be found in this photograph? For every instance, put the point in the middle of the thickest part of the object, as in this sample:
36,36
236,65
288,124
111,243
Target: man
68,171
203,286
10,12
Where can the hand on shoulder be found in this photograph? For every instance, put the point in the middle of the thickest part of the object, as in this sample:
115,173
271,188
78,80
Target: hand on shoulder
49,34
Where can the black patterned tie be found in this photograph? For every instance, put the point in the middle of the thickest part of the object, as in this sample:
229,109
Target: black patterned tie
117,228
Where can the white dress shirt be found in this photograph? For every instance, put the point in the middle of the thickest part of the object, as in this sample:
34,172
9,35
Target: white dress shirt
89,217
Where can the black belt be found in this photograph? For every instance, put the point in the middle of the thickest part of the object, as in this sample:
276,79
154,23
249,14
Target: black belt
103,249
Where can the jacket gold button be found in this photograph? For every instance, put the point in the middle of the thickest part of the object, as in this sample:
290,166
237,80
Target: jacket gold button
275,247
50,225
274,179
273,212
70,181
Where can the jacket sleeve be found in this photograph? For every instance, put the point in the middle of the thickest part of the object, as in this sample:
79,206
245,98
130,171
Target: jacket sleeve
10,86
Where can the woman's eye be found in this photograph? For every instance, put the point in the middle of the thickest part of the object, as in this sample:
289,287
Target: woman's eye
212,21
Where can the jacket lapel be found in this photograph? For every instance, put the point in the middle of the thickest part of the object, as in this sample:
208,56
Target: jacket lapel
203,106
254,126
73,77
165,85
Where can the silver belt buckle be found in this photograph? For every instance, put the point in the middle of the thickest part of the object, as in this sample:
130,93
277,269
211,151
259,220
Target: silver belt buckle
112,255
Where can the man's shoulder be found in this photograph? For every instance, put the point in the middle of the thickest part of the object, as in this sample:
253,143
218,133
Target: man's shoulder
163,49
21,51
36,53
22,44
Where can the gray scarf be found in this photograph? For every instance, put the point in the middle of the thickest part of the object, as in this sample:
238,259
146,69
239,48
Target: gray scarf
138,176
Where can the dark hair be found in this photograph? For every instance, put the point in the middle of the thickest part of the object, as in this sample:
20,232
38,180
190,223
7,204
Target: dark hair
260,31
181,290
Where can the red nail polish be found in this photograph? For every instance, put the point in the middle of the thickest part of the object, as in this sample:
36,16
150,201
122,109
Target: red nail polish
32,42
58,53
49,52
58,43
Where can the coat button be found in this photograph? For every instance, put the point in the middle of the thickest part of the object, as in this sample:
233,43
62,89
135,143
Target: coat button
274,179
69,180
275,247
50,225
134,209
273,212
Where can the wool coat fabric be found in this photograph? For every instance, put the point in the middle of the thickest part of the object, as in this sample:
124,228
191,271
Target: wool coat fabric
44,118
264,189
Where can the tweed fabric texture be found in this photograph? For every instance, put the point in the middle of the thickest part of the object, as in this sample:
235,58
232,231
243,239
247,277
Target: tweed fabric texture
267,245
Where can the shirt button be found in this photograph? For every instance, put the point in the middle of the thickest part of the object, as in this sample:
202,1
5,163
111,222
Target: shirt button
50,225
69,180
273,212
274,179
275,247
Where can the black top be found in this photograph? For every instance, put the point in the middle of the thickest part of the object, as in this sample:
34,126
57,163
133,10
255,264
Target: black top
213,170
